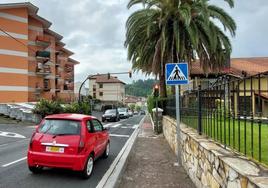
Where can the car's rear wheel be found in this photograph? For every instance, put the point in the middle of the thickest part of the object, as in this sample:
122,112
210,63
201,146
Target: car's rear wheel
88,169
35,169
107,151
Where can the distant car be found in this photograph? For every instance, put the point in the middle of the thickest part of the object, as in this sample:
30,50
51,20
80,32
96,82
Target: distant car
110,115
136,113
123,112
142,112
130,113
71,141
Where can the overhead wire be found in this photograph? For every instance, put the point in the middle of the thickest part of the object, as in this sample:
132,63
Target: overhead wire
9,35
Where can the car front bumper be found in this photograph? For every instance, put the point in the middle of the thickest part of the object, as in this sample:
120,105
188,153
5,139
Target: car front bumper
54,160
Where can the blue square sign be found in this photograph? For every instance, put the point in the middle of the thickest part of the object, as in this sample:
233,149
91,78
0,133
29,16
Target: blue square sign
177,74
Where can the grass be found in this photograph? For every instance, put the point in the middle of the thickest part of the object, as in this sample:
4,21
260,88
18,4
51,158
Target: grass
248,138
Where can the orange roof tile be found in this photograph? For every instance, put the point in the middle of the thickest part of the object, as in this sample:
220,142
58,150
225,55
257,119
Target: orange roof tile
251,66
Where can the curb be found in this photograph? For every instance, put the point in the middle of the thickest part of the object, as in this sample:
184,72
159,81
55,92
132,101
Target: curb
112,176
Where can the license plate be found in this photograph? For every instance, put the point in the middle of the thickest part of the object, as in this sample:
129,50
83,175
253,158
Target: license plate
107,118
54,149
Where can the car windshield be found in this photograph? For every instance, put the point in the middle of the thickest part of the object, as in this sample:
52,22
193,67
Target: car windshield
113,111
60,127
122,109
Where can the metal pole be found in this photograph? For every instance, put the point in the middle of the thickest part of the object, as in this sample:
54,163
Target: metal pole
178,125
156,111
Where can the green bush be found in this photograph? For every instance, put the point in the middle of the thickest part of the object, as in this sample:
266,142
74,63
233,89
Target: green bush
46,107
75,107
150,103
138,108
132,107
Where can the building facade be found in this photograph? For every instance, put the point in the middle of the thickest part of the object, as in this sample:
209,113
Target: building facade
107,90
33,61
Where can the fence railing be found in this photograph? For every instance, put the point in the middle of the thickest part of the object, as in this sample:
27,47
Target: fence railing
232,111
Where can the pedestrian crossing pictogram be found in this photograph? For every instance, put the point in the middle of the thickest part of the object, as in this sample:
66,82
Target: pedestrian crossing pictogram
176,73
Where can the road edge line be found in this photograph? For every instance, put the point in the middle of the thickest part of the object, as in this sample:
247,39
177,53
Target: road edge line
113,174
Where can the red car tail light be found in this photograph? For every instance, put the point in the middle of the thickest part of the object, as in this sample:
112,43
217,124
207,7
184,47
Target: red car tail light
31,141
81,144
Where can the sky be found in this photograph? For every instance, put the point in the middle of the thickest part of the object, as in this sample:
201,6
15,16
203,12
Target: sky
95,31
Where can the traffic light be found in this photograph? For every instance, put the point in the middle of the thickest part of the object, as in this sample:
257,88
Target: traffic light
130,74
156,90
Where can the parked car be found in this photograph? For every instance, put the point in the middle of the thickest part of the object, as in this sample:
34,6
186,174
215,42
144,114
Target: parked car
71,141
123,112
110,115
142,112
136,112
130,113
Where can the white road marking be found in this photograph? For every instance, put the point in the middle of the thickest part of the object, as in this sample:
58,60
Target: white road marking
119,135
11,135
107,125
116,125
135,126
8,164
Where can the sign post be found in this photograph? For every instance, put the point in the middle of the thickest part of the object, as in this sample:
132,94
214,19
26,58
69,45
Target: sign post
177,74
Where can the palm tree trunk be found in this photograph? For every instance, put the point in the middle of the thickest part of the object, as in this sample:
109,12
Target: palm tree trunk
163,89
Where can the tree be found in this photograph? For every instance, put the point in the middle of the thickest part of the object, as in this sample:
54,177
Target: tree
138,108
132,107
165,31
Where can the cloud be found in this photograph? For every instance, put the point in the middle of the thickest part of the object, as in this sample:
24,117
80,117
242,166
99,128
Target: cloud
95,31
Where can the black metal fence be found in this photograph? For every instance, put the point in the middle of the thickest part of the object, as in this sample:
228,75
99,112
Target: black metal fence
232,111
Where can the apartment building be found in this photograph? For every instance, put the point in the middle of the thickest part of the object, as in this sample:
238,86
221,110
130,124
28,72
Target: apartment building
34,63
110,90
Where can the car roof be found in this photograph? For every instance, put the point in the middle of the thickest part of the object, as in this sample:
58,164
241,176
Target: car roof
77,117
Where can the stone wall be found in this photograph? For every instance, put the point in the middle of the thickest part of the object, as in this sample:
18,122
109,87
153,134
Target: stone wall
210,165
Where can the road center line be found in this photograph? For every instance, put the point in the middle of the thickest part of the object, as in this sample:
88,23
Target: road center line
119,135
8,164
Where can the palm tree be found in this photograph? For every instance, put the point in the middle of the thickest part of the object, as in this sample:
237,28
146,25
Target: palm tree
166,31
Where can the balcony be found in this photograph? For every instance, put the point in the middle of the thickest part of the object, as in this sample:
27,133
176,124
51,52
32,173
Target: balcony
42,55
68,68
38,90
43,70
57,89
68,85
58,63
69,76
43,41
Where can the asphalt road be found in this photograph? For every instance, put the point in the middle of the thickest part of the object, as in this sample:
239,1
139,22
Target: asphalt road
14,172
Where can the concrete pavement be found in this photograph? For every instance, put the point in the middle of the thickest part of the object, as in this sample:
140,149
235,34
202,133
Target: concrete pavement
151,163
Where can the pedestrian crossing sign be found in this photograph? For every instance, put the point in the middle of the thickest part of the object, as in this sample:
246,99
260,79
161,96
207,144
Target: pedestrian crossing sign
177,74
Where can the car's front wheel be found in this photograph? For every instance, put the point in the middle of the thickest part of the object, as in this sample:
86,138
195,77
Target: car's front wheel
107,150
35,169
86,173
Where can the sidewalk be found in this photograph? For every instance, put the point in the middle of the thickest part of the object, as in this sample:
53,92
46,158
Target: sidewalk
151,163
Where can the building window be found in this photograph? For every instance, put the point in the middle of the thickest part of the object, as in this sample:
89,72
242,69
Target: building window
94,89
101,94
101,85
94,95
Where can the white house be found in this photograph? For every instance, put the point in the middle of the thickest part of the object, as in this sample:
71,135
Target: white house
107,90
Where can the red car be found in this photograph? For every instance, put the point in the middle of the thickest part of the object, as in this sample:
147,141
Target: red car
71,141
